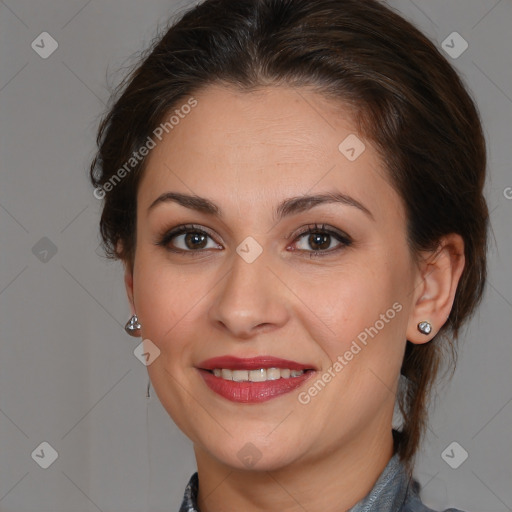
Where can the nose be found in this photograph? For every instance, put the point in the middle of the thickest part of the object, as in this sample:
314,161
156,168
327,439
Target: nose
251,299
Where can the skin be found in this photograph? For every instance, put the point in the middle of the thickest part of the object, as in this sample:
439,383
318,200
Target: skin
247,152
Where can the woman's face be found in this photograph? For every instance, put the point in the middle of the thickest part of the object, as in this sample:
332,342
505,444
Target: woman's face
335,302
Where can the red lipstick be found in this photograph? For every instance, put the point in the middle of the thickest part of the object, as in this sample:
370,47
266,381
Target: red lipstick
251,363
252,392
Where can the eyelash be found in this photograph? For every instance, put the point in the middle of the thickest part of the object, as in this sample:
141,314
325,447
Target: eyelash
345,240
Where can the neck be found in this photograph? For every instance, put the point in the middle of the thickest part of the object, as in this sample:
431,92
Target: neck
329,483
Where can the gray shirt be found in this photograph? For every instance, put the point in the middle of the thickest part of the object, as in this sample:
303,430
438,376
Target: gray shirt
394,491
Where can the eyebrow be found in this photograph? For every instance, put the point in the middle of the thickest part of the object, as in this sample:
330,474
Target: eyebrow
286,208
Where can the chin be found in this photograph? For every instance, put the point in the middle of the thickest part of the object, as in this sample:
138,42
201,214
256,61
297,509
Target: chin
253,453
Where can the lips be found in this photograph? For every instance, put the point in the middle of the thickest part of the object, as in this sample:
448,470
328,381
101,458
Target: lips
253,363
249,391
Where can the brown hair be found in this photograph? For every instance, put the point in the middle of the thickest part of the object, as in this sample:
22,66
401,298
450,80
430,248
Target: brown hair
409,102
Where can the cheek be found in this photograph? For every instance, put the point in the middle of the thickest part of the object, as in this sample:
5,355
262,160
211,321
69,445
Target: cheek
344,301
165,299
361,317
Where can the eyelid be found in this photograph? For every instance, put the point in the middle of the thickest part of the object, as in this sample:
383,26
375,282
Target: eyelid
324,228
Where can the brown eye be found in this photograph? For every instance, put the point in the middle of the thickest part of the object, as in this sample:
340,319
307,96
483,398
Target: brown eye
186,239
320,240
195,240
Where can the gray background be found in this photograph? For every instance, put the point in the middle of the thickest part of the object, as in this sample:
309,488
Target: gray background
68,375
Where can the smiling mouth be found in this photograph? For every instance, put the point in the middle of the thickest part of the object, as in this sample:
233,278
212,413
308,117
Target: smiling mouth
258,375
255,379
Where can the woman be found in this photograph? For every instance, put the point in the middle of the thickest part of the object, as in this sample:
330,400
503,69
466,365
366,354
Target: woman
295,190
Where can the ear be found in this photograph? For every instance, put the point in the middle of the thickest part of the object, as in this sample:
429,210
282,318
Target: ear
439,274
128,283
128,279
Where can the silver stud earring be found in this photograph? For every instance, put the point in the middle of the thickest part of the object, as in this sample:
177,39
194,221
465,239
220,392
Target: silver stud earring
425,328
133,326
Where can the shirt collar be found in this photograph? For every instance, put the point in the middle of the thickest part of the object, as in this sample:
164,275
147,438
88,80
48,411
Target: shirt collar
189,503
388,494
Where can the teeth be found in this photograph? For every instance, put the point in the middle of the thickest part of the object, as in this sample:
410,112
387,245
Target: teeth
273,374
240,375
260,375
227,374
257,375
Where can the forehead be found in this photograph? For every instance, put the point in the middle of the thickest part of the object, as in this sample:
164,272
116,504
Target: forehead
264,145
